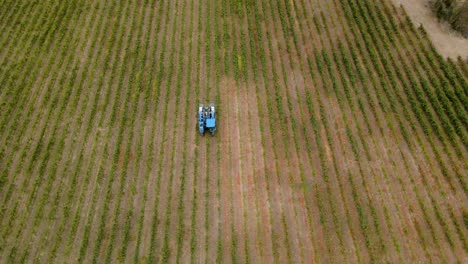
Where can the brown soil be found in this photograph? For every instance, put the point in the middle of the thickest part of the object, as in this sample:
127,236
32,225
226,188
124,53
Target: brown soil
447,41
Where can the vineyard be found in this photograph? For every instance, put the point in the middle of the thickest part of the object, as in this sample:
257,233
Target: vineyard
342,134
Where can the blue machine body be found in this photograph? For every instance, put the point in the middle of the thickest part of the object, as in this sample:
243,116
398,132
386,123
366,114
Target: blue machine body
207,118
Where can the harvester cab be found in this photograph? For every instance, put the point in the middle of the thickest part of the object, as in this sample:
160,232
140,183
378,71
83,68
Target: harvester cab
207,118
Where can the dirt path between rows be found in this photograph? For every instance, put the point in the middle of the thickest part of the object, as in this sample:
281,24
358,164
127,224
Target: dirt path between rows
447,41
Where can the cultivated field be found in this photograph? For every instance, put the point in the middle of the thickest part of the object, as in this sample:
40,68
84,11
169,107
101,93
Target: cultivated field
342,138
